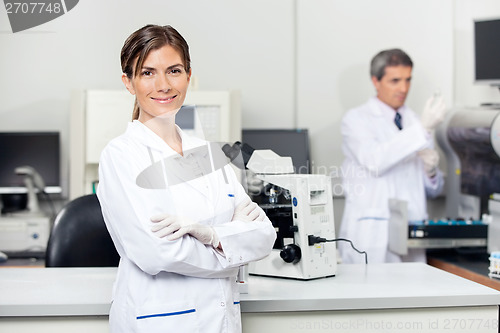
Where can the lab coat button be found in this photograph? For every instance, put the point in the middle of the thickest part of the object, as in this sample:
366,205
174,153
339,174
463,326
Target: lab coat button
241,258
222,304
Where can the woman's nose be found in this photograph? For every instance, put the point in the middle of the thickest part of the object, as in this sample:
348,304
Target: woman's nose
162,83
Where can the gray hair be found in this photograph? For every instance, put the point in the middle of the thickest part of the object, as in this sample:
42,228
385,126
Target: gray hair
383,59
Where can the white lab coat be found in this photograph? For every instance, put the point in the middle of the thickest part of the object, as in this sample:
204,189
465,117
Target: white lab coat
182,285
381,163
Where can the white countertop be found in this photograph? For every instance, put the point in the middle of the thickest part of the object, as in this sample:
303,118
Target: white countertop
372,286
55,291
87,291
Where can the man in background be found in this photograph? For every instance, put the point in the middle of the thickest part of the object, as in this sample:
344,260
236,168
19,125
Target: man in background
389,153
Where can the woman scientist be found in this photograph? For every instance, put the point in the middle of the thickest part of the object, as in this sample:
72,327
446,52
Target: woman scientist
181,226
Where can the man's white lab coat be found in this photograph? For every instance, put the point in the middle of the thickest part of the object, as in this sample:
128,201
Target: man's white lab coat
381,163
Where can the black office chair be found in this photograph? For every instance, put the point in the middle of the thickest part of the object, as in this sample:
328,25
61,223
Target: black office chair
79,237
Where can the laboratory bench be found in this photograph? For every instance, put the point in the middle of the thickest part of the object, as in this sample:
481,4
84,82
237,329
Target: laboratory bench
399,297
469,263
23,262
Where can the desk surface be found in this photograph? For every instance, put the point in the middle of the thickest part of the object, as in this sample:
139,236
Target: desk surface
87,291
373,286
23,262
475,259
471,264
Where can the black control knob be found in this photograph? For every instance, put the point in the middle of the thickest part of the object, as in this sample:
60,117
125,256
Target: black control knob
291,253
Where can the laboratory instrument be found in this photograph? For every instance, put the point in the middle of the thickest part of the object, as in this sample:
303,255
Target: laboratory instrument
470,140
24,235
26,232
494,265
300,206
34,183
432,233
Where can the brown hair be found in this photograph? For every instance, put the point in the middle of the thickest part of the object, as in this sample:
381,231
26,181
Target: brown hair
151,37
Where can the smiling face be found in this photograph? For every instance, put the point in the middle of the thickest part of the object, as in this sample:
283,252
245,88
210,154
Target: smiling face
393,87
160,85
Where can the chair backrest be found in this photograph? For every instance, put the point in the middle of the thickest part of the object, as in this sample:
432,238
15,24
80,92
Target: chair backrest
79,237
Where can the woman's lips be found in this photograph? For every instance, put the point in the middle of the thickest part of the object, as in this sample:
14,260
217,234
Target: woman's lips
164,100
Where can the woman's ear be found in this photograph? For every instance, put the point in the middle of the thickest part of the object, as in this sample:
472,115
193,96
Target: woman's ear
128,84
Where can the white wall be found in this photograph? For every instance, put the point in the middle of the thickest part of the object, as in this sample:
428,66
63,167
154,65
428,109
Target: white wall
234,45
337,40
299,63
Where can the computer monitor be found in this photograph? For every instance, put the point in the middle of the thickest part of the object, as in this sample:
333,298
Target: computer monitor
487,51
40,150
284,142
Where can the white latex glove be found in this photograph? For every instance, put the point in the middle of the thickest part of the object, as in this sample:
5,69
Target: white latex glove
430,157
174,227
434,112
248,211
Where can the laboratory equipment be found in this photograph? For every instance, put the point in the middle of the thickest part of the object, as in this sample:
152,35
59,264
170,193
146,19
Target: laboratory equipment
34,184
493,218
24,235
301,210
494,265
470,139
30,165
443,233
27,159
26,232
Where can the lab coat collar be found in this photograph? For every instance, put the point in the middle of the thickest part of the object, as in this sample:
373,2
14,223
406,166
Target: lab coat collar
146,136
153,177
382,109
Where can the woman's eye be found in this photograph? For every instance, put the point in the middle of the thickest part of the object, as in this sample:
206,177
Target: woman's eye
146,73
175,71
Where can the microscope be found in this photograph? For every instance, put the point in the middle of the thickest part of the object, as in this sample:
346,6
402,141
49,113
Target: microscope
300,206
26,232
33,182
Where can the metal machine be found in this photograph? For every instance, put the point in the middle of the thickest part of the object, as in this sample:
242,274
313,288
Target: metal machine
300,207
24,235
470,140
26,232
428,234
